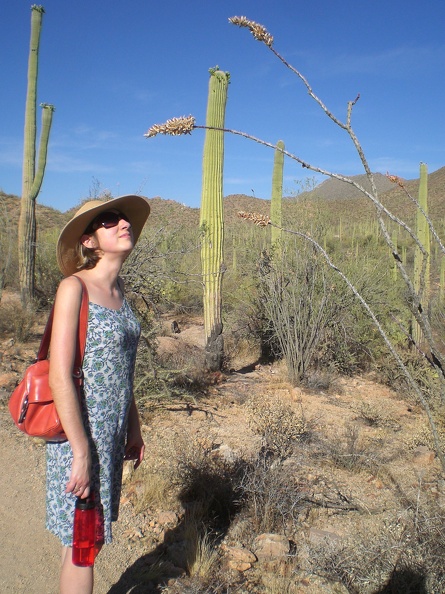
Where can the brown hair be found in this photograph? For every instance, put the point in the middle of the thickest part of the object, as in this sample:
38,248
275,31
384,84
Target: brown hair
87,258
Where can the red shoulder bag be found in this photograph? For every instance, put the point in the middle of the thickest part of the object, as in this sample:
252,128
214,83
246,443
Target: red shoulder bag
31,404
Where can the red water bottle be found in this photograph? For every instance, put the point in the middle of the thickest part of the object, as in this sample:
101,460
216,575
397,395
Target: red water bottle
84,532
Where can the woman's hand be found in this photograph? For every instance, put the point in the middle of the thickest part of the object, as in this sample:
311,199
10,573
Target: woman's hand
79,483
134,448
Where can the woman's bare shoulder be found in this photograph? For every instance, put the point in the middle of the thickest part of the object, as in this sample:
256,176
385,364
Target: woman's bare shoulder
69,289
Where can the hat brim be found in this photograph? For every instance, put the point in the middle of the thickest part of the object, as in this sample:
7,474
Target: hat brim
135,208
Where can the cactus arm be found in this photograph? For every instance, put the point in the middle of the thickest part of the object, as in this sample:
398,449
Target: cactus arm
47,117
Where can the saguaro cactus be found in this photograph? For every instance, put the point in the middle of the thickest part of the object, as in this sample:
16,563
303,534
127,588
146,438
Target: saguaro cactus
211,218
32,175
422,267
277,196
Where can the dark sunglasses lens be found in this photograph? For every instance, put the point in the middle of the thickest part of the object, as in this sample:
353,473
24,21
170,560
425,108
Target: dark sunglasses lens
108,220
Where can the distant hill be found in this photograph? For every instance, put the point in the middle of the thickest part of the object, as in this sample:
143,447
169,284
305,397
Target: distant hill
338,199
333,189
47,217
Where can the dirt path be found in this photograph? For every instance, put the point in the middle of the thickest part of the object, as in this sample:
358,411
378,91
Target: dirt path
29,555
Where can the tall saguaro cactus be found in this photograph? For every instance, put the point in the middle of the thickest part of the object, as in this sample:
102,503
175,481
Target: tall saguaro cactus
211,218
422,266
277,196
32,172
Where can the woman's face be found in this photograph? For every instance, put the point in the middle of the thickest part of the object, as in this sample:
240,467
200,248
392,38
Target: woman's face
110,232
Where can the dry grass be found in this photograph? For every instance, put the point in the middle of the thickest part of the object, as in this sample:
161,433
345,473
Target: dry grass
153,491
201,553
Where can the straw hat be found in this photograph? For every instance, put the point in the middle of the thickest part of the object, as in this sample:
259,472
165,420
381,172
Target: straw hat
135,208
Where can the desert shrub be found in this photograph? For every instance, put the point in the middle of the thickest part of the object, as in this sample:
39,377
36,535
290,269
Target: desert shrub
272,499
312,318
146,384
422,436
241,348
418,366
279,424
184,369
8,250
406,555
294,306
353,344
17,319
242,326
362,563
153,490
371,413
164,270
184,296
350,451
143,275
206,481
320,379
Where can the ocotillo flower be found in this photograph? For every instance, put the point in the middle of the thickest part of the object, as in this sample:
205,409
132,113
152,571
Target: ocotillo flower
173,127
258,31
395,180
259,219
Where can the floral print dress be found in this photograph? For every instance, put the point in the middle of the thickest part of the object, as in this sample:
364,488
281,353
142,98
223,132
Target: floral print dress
108,367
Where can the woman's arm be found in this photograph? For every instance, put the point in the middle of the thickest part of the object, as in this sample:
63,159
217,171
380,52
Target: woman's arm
62,356
135,447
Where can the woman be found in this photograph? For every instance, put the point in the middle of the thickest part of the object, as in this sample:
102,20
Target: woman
104,427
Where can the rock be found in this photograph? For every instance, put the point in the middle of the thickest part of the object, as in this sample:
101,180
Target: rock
239,558
226,453
238,565
423,456
167,517
316,535
271,546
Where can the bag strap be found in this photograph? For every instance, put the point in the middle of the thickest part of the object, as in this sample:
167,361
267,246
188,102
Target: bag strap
81,330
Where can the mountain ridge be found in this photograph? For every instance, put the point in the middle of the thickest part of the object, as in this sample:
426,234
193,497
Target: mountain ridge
336,195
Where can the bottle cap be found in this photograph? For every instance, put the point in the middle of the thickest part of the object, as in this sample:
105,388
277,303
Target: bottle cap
84,504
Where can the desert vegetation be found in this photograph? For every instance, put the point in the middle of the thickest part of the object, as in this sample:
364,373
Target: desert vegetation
312,458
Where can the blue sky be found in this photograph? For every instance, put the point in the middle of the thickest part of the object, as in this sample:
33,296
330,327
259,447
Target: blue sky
113,69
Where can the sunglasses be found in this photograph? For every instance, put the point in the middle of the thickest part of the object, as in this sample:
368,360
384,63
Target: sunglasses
107,219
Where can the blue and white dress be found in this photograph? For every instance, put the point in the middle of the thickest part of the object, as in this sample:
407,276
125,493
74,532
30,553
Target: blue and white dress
108,367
